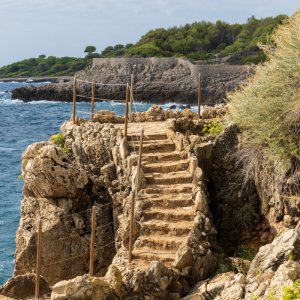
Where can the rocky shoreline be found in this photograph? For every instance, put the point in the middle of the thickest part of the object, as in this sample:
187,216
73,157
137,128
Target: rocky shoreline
156,80
189,222
38,79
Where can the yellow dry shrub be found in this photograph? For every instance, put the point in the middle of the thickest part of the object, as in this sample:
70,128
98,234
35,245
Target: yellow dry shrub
267,109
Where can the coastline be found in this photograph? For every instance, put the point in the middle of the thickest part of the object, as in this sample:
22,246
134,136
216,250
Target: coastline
38,79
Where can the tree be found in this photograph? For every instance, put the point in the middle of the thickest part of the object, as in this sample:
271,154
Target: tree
107,50
128,46
42,66
119,47
42,56
51,60
90,49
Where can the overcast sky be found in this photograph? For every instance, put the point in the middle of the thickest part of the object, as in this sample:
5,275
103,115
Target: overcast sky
64,27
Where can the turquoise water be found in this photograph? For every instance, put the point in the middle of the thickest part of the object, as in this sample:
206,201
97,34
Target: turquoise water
21,125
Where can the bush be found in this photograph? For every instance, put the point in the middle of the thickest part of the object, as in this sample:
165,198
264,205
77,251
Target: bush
58,139
42,56
221,46
254,60
267,110
214,128
246,215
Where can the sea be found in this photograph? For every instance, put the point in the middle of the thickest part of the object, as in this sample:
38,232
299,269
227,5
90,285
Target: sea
21,125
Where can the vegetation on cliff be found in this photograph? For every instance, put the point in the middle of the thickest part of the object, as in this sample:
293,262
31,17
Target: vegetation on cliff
268,108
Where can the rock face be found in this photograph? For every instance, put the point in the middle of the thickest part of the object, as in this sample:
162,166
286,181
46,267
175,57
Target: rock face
23,286
157,80
61,188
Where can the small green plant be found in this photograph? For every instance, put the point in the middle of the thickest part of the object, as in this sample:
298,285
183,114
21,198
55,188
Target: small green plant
291,292
20,176
246,215
254,298
291,256
58,139
214,128
246,254
224,266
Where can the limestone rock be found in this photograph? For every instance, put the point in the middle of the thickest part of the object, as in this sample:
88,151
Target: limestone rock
234,289
23,286
115,279
168,114
124,148
154,113
201,202
77,288
101,290
126,233
105,116
271,256
201,267
204,113
5,298
159,274
170,124
120,119
204,154
184,257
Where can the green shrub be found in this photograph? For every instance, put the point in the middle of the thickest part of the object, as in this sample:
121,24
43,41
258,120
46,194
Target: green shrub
58,139
246,254
267,110
221,46
254,60
214,128
247,215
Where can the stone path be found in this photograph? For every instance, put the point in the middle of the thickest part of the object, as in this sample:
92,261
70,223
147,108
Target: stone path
167,212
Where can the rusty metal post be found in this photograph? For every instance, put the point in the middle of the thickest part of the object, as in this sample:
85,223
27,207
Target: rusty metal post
93,241
131,97
74,100
131,225
199,96
93,96
38,261
126,110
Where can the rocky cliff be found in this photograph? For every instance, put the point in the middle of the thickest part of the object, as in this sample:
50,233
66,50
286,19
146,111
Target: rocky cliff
192,211
156,80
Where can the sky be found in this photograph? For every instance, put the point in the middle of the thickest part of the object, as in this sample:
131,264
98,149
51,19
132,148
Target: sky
65,27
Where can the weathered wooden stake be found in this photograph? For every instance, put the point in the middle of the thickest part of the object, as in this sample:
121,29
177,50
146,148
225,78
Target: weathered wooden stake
38,261
139,162
74,100
131,98
132,195
126,110
93,96
93,241
199,96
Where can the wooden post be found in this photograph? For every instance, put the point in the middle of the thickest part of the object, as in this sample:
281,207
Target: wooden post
139,163
93,241
131,98
131,225
74,100
93,96
199,96
126,110
38,261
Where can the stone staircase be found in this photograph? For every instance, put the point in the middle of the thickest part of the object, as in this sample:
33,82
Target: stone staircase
167,207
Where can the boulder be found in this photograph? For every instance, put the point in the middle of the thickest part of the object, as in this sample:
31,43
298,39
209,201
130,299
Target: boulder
76,288
124,148
120,119
204,113
23,286
126,233
271,256
115,280
105,116
154,113
168,114
101,290
201,202
201,267
204,153
159,274
171,124
234,289
184,257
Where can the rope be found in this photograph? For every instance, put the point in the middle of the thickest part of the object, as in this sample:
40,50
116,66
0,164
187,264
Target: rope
100,83
9,227
7,250
76,255
18,270
99,98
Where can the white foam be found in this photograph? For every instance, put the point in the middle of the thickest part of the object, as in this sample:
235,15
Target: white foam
10,102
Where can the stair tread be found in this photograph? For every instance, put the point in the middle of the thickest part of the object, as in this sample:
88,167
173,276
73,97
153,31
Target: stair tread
163,186
168,175
170,163
163,238
167,210
156,222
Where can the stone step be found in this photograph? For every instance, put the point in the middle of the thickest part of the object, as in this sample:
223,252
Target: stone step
143,256
175,200
161,243
166,229
148,158
165,167
163,189
169,178
153,146
169,214
147,137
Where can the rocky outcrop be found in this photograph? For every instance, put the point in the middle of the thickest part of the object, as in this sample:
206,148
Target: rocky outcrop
23,286
157,80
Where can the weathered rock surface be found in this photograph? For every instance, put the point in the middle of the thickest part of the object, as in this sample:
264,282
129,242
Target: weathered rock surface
23,286
157,80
